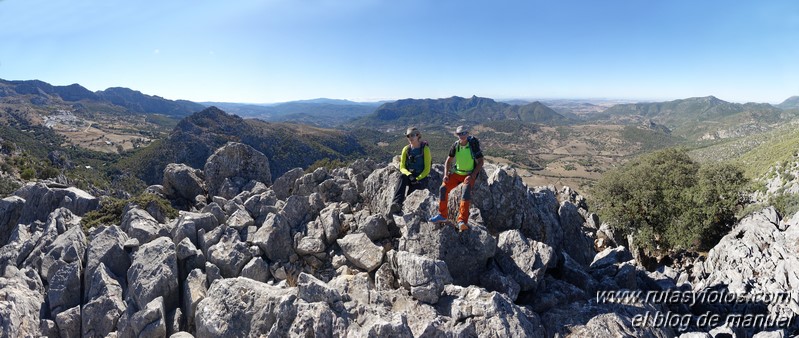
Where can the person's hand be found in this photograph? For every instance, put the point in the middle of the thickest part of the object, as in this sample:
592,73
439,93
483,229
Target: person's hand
446,178
412,179
468,180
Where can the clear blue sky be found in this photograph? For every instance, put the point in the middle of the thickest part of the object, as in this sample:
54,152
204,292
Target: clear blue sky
368,50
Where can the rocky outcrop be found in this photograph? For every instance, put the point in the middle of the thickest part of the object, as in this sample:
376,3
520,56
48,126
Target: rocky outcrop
466,254
104,303
361,252
425,278
241,307
183,182
154,273
10,211
41,200
21,300
140,225
756,260
317,254
525,261
233,166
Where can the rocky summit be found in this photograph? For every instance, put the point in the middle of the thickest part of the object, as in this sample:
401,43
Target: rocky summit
318,254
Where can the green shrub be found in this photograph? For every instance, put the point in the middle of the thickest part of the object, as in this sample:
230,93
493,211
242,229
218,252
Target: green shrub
110,212
7,186
668,201
586,162
27,174
786,204
326,163
48,172
8,146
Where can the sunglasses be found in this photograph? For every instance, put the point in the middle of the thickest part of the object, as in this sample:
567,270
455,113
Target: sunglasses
409,136
462,133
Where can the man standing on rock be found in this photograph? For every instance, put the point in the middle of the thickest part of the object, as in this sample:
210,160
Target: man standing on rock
415,163
468,161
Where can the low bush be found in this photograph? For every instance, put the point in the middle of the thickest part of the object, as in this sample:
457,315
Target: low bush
110,212
7,186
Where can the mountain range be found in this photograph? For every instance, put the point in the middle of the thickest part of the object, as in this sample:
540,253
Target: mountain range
316,112
674,114
699,108
699,117
454,111
41,93
575,140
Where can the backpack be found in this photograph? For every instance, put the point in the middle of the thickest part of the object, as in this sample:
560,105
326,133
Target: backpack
407,149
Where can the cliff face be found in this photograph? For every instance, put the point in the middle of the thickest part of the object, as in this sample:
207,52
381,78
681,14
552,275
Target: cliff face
318,254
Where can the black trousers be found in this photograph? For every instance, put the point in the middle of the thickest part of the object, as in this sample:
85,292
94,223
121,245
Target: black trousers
405,188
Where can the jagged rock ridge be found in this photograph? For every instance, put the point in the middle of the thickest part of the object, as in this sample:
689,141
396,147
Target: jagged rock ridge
316,254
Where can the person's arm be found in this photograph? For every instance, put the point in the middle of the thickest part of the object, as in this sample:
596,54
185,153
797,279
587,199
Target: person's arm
478,164
448,162
447,165
403,166
428,162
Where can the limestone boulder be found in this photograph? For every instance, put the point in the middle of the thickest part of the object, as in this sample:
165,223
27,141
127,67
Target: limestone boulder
41,200
242,307
20,305
184,182
139,224
10,212
230,254
425,278
284,185
274,238
104,304
490,313
235,164
154,273
526,261
361,252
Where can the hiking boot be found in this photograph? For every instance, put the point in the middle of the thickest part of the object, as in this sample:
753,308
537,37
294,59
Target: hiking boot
438,219
462,226
395,209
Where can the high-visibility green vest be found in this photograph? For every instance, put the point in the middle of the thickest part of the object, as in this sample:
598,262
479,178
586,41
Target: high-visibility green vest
464,160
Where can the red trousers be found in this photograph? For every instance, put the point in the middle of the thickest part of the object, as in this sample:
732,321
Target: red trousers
466,198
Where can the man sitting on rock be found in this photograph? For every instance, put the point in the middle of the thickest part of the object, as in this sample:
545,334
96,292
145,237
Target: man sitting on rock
415,163
468,161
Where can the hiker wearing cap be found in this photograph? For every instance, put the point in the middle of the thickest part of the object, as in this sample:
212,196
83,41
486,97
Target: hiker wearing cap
468,158
415,162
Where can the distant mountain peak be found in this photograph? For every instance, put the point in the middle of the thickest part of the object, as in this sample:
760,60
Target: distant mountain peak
790,103
455,109
710,99
211,111
139,102
323,100
212,117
